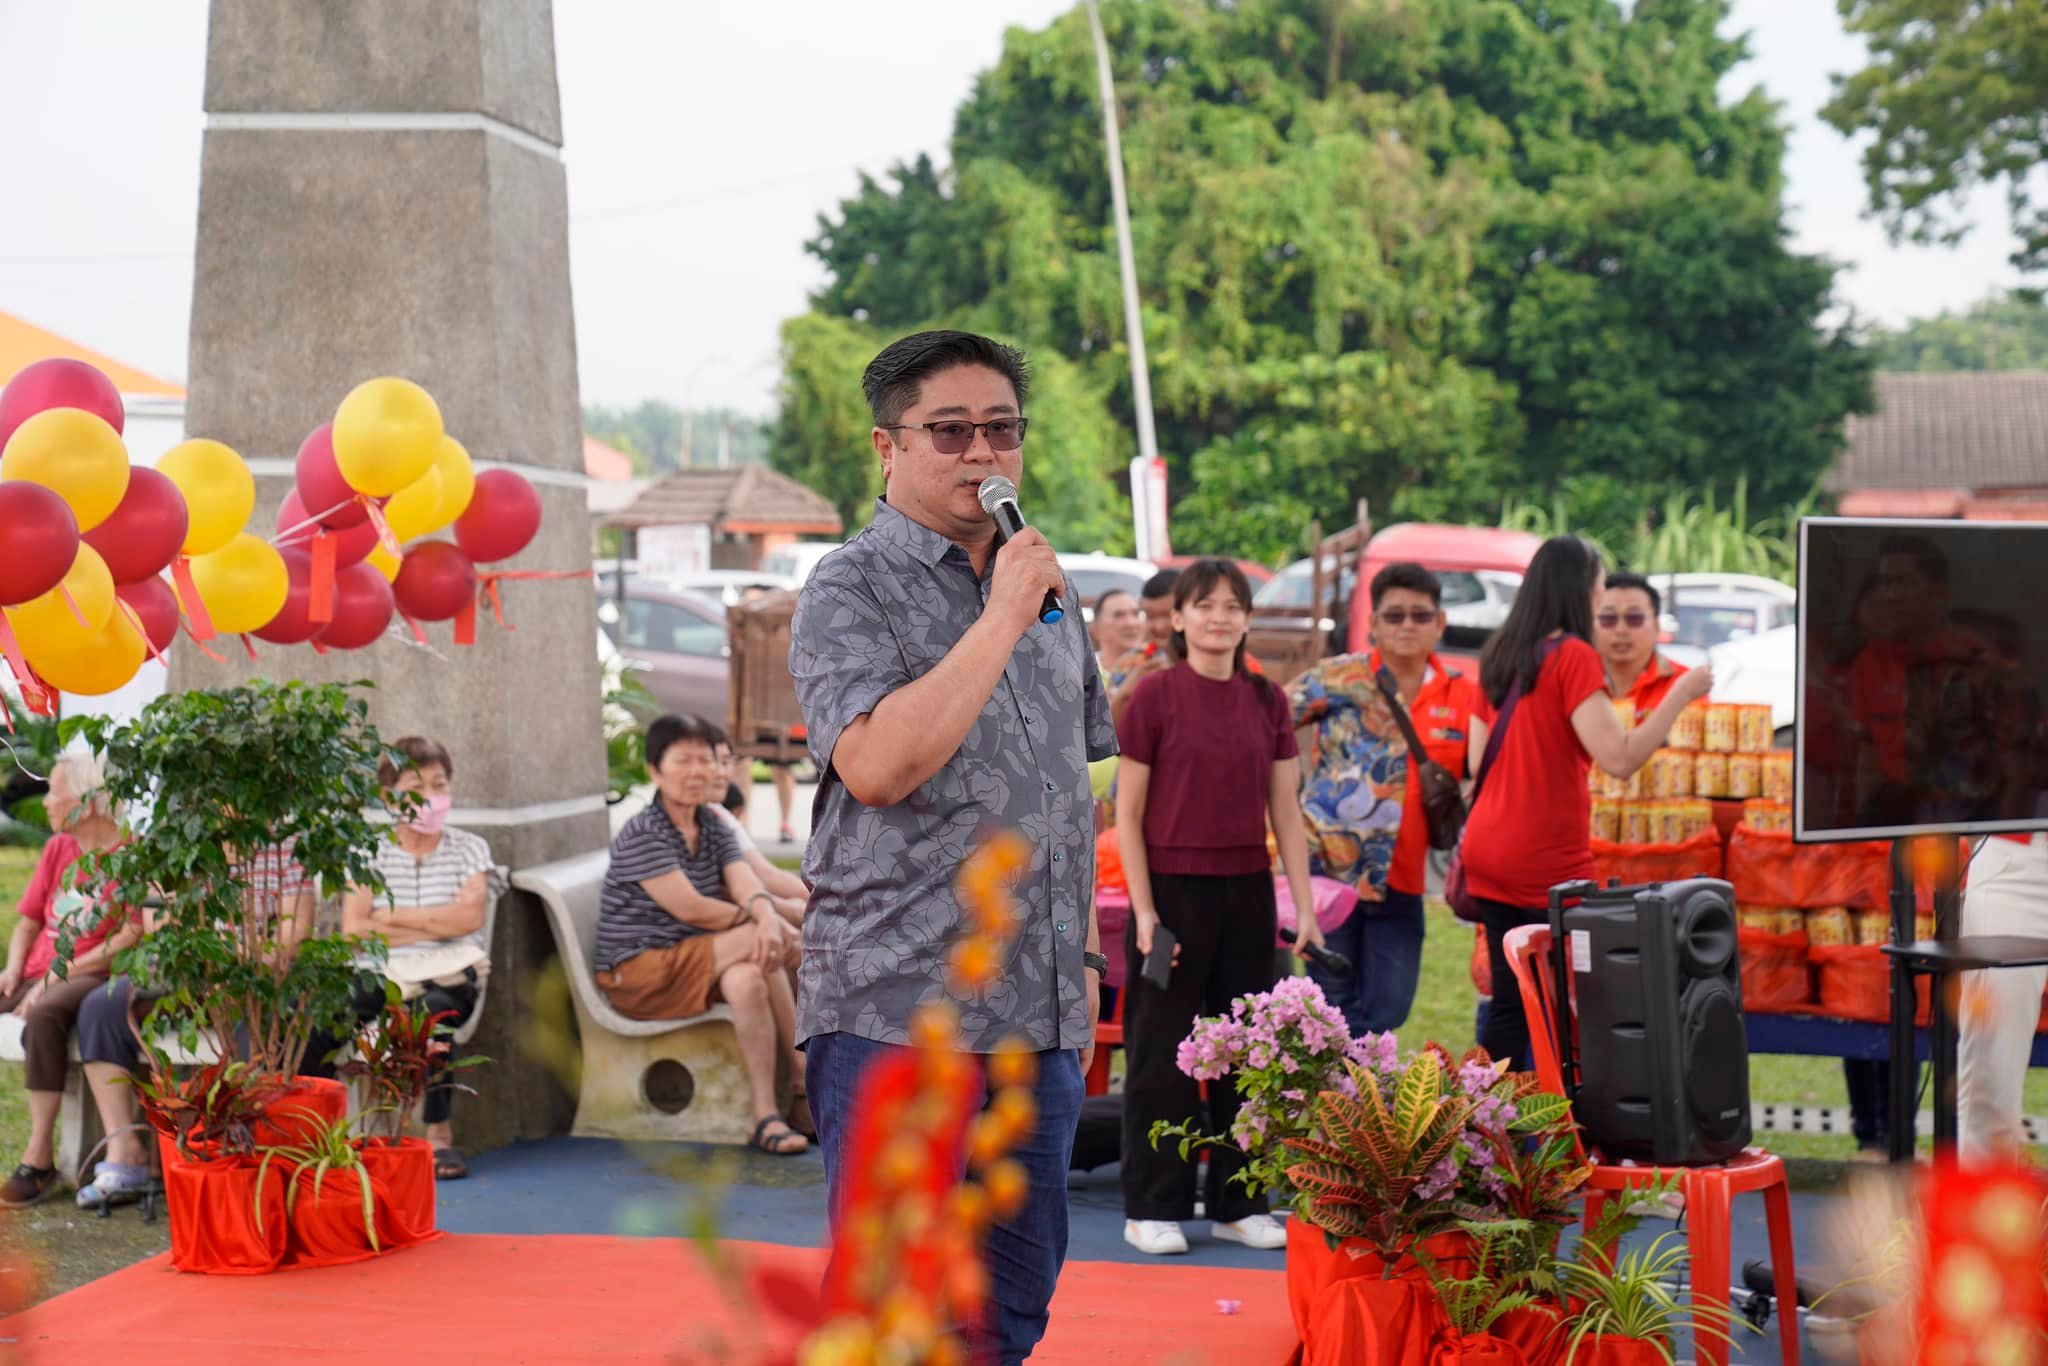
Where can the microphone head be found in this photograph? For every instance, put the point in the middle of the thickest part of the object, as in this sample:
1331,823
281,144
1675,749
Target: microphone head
994,491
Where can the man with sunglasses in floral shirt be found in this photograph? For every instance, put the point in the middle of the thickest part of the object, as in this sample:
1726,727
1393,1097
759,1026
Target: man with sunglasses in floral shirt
1625,633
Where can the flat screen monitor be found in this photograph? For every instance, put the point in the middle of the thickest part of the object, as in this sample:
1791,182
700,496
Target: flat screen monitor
1923,664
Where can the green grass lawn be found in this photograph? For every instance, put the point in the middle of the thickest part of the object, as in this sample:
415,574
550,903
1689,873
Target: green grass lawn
15,867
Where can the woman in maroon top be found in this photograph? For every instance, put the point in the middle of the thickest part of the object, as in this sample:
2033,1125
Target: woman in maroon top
1208,754
1531,822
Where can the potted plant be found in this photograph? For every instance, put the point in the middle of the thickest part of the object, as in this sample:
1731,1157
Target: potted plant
247,789
1629,1314
331,1199
225,1218
395,1055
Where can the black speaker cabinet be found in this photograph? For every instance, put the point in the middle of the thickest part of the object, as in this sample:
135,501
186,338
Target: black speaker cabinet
1663,1058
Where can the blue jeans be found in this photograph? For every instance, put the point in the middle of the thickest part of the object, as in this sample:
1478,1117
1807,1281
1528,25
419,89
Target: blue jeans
1383,940
1025,1254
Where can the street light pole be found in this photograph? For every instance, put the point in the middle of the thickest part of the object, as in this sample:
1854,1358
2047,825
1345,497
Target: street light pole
1134,327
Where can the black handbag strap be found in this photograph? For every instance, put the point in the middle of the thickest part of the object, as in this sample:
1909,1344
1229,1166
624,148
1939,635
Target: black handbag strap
1507,714
1392,692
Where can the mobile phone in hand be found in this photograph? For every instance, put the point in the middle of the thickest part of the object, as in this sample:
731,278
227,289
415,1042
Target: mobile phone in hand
1158,966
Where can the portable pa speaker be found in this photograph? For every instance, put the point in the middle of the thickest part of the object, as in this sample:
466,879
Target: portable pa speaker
1663,1058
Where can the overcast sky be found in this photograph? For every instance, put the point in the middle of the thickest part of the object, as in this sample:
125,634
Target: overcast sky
703,138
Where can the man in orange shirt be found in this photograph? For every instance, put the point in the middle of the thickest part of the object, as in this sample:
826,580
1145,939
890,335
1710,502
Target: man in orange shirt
1360,795
1625,632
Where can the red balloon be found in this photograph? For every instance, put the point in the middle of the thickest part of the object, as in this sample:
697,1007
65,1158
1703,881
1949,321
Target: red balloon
321,488
38,541
59,382
144,534
350,543
435,581
502,517
293,624
156,607
362,608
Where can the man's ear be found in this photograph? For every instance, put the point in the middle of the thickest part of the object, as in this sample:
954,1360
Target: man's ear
885,448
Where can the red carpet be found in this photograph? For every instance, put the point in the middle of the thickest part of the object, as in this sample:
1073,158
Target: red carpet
504,1300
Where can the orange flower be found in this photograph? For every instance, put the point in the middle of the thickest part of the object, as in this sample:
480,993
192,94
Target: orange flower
1013,1064
1007,1185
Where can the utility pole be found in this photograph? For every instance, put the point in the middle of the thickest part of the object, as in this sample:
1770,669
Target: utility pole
1134,327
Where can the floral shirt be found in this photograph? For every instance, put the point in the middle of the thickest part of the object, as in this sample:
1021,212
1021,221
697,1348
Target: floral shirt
1356,781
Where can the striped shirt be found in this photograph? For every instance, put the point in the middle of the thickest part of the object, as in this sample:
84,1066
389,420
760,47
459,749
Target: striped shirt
434,880
629,921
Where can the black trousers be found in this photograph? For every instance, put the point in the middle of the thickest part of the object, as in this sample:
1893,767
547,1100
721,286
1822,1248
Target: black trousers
1506,1034
439,1102
1226,928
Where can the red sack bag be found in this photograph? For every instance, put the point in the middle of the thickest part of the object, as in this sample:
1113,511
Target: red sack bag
1700,856
1313,1266
402,1174
1476,1349
1535,1329
1775,974
327,1224
214,1214
1109,864
1768,869
1366,1321
1855,983
1609,1349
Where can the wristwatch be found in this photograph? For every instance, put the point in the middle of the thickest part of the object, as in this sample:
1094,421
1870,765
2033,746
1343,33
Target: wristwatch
1097,961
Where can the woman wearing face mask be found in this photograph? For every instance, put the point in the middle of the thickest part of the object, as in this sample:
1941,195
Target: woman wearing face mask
432,916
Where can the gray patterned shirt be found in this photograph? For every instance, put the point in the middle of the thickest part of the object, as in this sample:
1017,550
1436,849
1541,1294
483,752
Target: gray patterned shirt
875,615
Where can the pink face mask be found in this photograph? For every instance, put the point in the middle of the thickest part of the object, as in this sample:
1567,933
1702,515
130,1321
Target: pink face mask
429,819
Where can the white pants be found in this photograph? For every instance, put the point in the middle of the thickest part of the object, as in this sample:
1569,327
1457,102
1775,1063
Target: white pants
2007,894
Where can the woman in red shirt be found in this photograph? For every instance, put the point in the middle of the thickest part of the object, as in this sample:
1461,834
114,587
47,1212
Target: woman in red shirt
1208,756
1531,825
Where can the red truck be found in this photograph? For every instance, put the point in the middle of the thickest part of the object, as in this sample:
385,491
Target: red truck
1481,567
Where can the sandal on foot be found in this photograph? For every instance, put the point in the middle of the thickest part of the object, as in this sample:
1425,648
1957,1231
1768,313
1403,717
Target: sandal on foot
448,1165
28,1186
777,1145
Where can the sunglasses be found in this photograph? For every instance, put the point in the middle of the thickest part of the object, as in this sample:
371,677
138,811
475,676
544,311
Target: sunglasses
954,437
1401,616
1635,621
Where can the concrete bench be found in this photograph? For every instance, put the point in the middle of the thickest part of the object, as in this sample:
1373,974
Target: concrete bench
641,1079
78,1122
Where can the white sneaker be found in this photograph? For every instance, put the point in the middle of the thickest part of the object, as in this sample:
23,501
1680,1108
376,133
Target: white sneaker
1261,1231
1155,1237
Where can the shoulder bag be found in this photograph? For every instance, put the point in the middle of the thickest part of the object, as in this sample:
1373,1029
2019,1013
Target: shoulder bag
1443,805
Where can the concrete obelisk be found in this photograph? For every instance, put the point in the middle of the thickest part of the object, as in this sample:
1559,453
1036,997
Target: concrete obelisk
383,192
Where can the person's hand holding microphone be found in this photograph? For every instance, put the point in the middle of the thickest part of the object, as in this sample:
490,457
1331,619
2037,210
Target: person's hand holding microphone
1027,581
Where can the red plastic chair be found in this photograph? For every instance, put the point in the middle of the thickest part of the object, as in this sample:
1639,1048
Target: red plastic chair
1109,1034
1709,1191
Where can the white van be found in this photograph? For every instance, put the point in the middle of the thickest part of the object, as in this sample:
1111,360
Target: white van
797,559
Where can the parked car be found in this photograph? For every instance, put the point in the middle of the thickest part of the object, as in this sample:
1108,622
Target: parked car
796,560
1294,588
1699,620
728,586
1096,573
674,642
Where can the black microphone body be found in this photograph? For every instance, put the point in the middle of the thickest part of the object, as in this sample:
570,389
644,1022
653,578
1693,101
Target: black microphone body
999,499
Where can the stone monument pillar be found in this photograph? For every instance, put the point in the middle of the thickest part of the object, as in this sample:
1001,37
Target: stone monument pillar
382,192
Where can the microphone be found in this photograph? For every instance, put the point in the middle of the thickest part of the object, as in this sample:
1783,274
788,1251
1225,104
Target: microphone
999,500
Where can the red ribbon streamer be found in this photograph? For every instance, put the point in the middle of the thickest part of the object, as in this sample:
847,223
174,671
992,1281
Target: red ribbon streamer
203,647
488,585
320,597
35,694
72,603
198,624
465,624
385,536
250,646
143,631
419,637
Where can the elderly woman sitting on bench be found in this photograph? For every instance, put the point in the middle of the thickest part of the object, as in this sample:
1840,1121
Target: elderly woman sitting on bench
683,923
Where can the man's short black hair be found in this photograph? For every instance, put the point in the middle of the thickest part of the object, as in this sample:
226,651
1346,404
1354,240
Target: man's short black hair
668,731
1413,577
894,378
1641,584
735,798
1925,554
1160,585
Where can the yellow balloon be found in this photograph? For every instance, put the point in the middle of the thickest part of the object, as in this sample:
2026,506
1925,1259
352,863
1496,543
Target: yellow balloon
75,455
386,433
47,625
243,584
112,657
383,562
458,482
220,493
410,513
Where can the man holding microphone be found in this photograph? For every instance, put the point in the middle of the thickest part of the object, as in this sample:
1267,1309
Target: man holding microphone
940,707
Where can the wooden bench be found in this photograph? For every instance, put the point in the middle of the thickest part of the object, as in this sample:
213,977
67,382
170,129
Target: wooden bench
641,1079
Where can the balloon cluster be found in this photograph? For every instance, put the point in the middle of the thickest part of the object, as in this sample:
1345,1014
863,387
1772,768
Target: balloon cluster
86,539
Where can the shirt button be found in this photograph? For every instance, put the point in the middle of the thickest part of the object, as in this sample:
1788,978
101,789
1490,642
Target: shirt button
1061,927
1056,857
1049,787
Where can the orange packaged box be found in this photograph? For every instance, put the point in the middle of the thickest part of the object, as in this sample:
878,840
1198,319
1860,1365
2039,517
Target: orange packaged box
1607,820
1723,728
1689,731
1753,731
1873,927
1671,773
1710,775
1745,777
1777,774
1829,926
1673,822
1636,824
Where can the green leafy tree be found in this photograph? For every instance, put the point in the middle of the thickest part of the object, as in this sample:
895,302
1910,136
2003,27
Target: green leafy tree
1431,253
1955,97
652,432
2004,332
